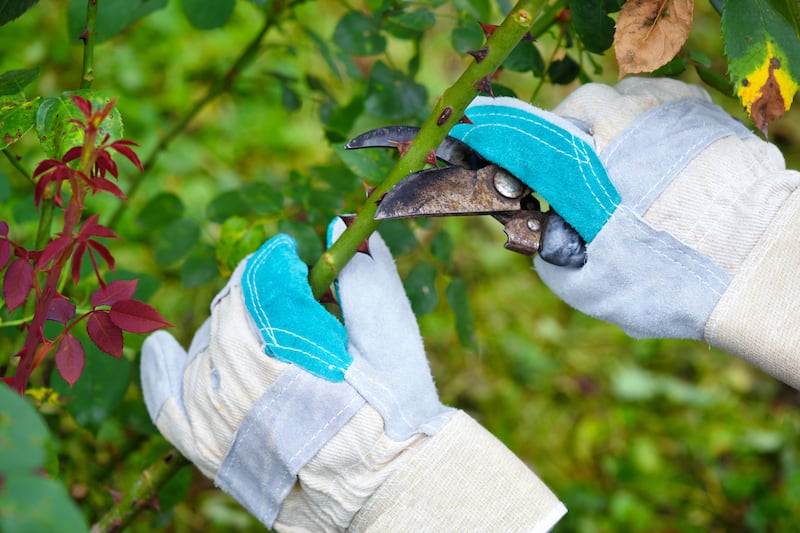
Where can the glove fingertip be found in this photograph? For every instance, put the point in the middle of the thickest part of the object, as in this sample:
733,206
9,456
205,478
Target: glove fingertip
162,366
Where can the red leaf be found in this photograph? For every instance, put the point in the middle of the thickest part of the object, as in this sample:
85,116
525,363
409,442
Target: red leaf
44,166
72,154
17,283
77,259
106,164
121,289
53,248
90,228
70,359
61,309
121,146
5,252
84,105
137,317
102,184
104,333
3,228
104,253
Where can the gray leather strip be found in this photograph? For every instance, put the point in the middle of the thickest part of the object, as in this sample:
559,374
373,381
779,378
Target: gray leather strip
683,129
660,288
286,427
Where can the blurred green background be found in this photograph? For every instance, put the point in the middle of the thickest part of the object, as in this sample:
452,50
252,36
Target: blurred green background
633,435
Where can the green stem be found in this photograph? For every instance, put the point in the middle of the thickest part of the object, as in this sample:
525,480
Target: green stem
87,76
141,493
433,131
16,164
222,85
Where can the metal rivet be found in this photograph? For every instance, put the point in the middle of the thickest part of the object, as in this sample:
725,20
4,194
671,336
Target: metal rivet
508,185
534,225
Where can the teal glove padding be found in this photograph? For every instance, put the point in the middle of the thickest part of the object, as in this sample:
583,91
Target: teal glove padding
654,267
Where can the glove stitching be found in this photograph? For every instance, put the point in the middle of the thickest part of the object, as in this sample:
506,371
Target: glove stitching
670,247
581,162
257,415
358,376
356,399
264,326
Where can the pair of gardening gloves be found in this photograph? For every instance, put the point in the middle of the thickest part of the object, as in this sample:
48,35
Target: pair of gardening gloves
315,425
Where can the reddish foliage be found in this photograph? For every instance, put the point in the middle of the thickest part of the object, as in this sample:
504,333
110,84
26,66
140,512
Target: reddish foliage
104,333
137,317
61,309
70,359
109,294
17,282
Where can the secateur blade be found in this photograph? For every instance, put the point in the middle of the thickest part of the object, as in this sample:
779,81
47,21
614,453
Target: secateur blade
455,190
451,150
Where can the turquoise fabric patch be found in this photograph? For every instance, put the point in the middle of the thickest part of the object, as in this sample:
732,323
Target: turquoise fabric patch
294,326
557,164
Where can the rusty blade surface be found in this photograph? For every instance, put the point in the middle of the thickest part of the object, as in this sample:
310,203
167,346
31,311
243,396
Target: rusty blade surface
451,150
453,191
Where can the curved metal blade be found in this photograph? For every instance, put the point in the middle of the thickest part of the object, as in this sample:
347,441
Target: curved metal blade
451,150
453,191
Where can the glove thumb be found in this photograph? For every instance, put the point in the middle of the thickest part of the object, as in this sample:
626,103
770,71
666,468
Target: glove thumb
163,364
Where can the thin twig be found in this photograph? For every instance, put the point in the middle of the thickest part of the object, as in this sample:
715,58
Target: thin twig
16,164
89,35
141,493
222,86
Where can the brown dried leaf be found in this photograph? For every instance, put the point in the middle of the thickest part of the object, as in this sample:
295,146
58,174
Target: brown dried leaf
650,33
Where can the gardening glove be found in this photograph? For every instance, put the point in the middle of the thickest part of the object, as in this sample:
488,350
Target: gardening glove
690,219
314,426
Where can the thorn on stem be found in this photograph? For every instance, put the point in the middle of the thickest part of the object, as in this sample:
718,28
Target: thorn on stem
465,120
445,114
485,85
84,36
431,158
479,54
402,146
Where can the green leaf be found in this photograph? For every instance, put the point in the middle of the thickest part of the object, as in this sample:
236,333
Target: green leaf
226,205
208,14
594,27
563,71
372,165
398,236
358,34
442,248
524,57
262,198
763,58
162,209
113,16
16,119
309,246
200,267
14,81
11,9
672,68
36,504
289,98
237,238
175,240
420,284
100,389
410,24
393,95
23,434
467,37
341,119
57,133
456,293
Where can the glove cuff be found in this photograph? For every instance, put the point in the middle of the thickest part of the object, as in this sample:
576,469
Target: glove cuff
461,479
757,317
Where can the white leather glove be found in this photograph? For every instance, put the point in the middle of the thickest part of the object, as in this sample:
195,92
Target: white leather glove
686,213
314,427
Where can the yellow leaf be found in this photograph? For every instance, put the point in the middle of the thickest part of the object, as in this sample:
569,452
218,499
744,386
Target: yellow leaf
650,33
767,92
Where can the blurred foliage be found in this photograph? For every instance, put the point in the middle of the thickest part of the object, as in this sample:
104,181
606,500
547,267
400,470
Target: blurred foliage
655,435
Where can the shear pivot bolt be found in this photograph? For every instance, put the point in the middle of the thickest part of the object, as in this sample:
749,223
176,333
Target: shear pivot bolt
508,185
534,225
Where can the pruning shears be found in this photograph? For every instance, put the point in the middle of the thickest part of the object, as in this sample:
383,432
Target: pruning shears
469,185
